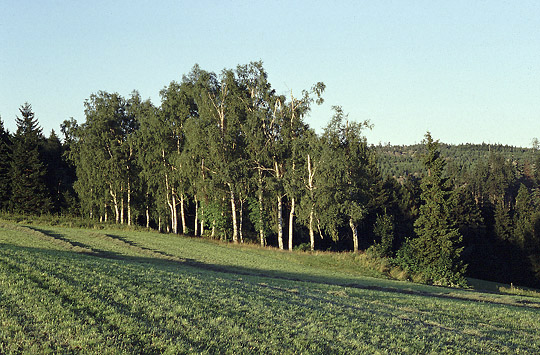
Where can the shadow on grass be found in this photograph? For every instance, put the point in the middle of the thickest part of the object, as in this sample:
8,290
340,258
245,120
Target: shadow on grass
163,260
92,251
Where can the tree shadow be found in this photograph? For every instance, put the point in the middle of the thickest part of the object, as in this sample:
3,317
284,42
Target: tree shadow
162,259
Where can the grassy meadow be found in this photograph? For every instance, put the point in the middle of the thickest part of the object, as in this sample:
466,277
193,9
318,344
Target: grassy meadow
73,290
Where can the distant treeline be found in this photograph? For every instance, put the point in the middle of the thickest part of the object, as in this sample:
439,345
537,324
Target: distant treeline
225,156
403,160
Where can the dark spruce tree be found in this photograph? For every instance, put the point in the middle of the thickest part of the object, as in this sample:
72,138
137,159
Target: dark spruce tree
5,166
29,192
60,175
436,250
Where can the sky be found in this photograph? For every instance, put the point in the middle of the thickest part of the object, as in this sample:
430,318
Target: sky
467,71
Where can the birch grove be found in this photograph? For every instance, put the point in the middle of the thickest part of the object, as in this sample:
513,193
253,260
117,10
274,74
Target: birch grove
223,155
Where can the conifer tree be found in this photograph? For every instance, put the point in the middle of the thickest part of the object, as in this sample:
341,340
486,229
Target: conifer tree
436,248
57,174
523,228
29,192
5,166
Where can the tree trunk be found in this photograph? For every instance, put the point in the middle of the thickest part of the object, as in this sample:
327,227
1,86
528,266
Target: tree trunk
280,221
233,211
279,209
175,216
202,220
196,216
183,215
261,211
147,211
311,233
291,224
354,230
122,210
115,202
147,217
129,203
311,212
240,221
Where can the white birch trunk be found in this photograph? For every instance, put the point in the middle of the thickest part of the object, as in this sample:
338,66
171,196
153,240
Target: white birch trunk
291,224
115,202
196,216
129,204
310,187
147,217
183,215
122,210
202,220
175,215
354,230
261,211
240,221
311,232
280,221
233,211
279,210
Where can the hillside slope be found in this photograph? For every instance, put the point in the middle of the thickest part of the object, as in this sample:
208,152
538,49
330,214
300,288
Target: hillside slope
407,160
64,290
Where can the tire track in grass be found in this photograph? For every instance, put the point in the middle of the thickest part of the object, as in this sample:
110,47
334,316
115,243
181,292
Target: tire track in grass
122,309
107,254
232,270
128,244
82,307
274,278
383,313
60,242
34,322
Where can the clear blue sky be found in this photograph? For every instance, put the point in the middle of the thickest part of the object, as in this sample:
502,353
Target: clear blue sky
468,71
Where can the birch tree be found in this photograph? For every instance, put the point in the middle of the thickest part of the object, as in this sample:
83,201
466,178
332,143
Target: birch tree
176,107
221,112
105,156
345,180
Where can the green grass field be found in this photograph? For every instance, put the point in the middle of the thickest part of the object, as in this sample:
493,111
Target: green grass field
68,290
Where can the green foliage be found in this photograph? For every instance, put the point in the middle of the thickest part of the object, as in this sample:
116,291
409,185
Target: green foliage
436,250
401,161
343,192
28,190
519,291
5,167
384,231
219,145
214,214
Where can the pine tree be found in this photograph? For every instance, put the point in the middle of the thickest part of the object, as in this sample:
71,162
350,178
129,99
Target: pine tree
436,247
5,166
523,228
60,175
29,192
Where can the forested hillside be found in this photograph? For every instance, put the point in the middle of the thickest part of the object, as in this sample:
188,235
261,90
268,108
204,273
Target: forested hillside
404,160
225,156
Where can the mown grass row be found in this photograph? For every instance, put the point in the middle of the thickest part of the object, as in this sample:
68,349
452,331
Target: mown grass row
67,290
